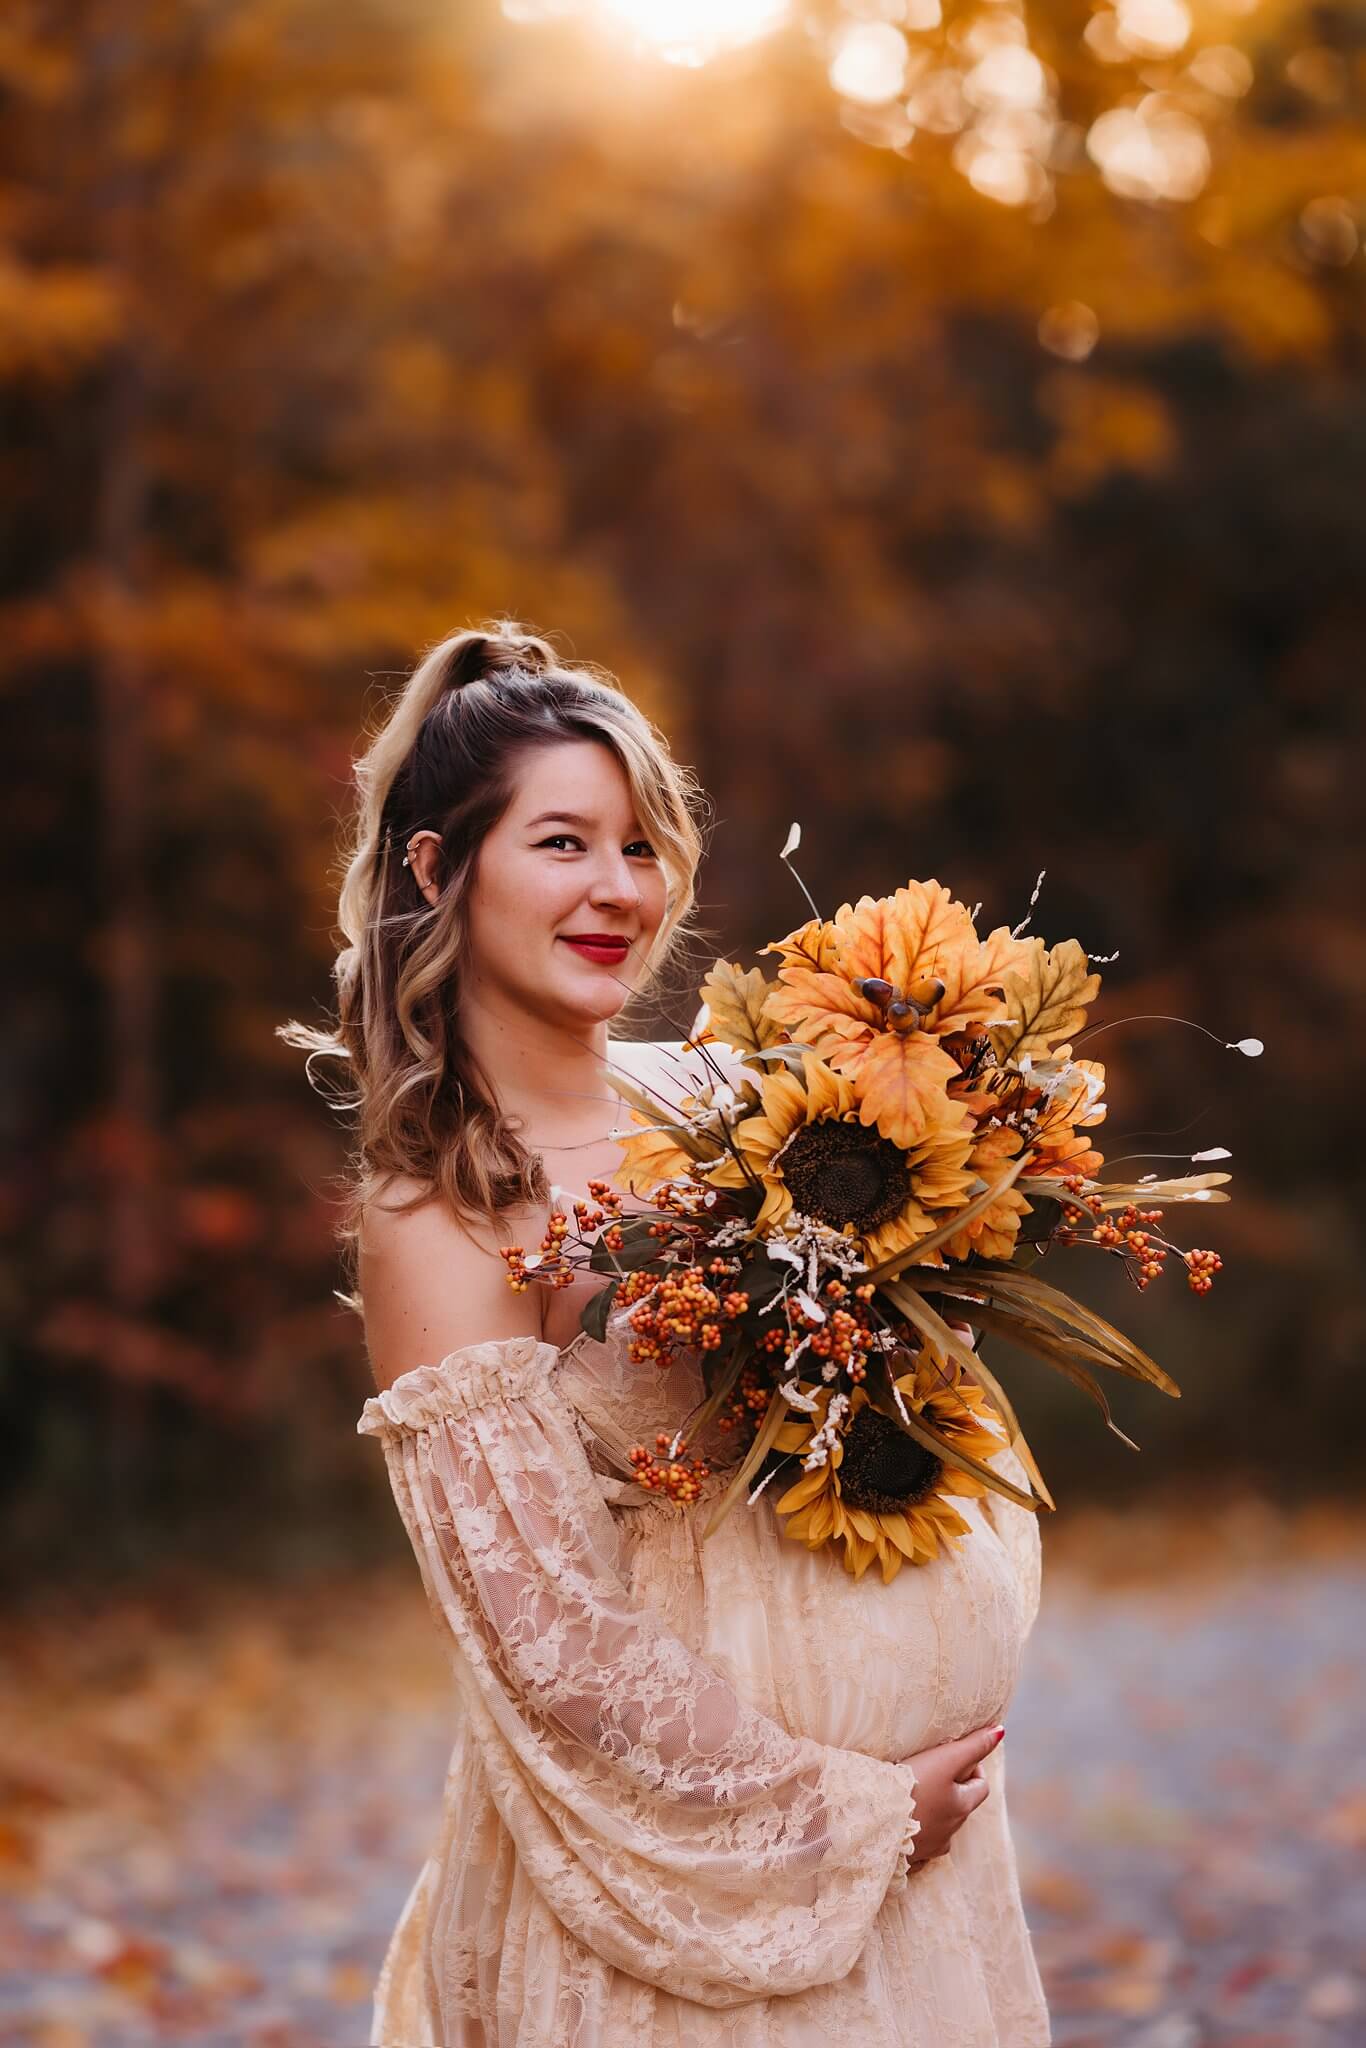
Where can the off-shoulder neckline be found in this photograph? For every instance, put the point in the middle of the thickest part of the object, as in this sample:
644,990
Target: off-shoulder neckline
437,1365
465,1379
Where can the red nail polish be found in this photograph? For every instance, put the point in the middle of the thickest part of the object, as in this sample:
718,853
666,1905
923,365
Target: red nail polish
1000,1736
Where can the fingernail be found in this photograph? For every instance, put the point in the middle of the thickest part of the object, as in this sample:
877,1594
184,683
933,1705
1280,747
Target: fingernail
1000,1736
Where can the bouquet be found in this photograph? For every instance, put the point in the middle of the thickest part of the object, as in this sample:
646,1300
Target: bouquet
879,1145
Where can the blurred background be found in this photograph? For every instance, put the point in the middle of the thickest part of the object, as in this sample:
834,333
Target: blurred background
947,418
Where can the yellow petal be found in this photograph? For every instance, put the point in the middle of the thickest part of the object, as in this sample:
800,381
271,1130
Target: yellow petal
805,1489
861,1520
777,1201
821,1526
898,1532
826,1094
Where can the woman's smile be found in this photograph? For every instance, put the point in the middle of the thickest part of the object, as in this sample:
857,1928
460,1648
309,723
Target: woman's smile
598,946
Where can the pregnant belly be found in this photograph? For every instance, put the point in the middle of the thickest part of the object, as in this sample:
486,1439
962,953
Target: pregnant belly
887,1669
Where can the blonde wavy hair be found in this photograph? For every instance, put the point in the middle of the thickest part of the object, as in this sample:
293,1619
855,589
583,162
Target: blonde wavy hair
445,758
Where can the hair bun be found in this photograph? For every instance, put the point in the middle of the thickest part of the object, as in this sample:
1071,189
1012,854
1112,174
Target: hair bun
484,655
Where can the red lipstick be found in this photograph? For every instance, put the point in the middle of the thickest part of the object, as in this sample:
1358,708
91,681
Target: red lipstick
599,946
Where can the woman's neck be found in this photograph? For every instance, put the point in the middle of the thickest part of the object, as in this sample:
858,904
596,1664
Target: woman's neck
551,1078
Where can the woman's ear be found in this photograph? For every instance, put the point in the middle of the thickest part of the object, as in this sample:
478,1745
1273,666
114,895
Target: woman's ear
423,850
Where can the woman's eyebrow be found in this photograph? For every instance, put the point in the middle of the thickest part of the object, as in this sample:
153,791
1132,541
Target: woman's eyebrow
566,818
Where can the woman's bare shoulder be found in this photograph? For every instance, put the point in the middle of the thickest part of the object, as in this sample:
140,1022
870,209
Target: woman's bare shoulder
431,1283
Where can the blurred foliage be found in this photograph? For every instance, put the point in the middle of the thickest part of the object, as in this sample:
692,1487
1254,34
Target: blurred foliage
979,544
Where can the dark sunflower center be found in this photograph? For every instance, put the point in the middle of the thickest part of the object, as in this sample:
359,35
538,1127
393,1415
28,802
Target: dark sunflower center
845,1173
883,1469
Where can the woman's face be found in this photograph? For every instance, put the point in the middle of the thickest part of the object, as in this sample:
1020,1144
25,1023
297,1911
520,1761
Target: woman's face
568,860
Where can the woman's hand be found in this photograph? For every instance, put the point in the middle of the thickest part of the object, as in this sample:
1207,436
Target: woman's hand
949,1785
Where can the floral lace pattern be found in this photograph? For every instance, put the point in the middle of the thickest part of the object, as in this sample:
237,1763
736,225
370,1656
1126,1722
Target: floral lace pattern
644,1837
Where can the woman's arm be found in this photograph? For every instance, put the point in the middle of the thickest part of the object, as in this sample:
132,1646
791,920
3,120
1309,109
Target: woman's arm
676,1831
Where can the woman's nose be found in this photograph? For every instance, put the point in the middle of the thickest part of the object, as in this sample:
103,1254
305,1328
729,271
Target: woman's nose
614,883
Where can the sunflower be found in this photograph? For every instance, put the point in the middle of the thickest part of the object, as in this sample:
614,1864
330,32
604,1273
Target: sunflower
812,1153
993,1234
878,1491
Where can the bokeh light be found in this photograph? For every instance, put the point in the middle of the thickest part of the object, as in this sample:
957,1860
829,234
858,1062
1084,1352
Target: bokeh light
691,31
1151,151
869,62
1137,100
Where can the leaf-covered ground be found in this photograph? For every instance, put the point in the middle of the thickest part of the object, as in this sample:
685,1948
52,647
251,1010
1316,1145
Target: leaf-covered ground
213,1801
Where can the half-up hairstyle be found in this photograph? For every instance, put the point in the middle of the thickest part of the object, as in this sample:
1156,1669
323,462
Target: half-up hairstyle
444,759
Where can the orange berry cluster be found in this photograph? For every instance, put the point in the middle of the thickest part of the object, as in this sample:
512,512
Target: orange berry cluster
843,1338
678,1479
551,1263
674,1309
749,1400
1121,1233
1202,1266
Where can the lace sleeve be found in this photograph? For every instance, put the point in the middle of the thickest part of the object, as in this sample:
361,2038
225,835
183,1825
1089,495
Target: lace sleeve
677,1832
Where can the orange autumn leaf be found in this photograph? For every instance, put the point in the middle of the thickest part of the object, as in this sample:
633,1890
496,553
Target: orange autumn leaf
1075,1105
976,978
919,937
900,1083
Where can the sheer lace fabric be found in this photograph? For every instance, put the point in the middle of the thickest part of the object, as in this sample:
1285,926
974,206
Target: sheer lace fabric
676,1810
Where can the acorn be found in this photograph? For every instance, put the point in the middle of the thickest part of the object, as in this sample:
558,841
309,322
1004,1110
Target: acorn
903,1018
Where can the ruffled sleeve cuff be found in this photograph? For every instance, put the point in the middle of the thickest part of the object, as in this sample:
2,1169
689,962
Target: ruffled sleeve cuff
500,1370
901,1869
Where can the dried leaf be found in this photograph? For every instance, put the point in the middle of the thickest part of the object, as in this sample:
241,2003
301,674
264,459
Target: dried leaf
1046,996
735,1006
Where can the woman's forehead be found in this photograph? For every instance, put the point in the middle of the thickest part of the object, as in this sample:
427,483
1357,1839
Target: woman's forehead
574,782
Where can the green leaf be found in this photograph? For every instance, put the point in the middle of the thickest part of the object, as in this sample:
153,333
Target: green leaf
595,1312
1040,1224
638,1247
760,1278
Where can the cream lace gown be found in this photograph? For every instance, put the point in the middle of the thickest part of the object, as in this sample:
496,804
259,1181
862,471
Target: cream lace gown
676,1814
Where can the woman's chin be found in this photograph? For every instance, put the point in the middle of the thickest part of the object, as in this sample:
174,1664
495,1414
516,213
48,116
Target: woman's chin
592,1002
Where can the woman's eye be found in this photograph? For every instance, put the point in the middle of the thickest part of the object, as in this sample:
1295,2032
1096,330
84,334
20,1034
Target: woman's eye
564,838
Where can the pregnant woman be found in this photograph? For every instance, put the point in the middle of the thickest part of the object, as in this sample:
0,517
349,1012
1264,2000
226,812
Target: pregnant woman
702,1792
